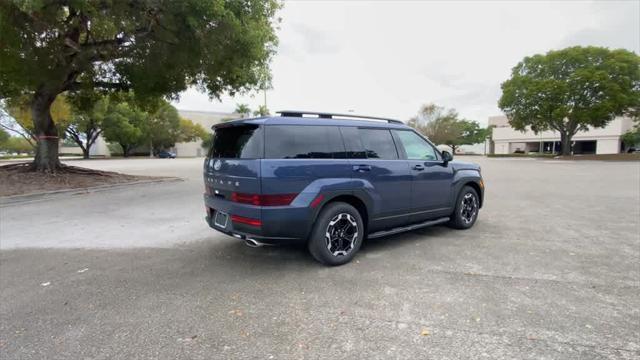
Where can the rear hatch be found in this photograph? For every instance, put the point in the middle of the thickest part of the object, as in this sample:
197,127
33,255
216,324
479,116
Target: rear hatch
233,163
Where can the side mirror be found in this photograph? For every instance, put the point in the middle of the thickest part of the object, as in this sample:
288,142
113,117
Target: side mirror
446,156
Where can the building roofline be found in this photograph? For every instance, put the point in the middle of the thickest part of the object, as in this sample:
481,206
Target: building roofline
206,112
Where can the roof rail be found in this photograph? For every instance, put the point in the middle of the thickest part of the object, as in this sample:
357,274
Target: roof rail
326,115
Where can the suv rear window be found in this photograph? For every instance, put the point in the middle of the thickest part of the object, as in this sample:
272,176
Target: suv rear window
237,142
303,142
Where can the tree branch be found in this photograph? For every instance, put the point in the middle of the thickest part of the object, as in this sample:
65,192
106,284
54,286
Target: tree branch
29,137
76,137
99,84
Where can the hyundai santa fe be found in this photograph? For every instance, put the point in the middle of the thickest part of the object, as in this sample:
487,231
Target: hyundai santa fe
331,181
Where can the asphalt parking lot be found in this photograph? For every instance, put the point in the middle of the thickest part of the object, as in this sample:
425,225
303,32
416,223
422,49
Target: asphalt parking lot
551,270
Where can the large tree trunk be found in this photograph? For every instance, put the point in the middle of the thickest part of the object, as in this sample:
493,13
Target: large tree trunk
565,144
85,153
45,131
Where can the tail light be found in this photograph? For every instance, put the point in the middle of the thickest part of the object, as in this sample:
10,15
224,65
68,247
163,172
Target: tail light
246,221
263,200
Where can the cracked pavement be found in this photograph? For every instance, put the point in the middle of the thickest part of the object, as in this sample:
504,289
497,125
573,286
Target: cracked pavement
550,271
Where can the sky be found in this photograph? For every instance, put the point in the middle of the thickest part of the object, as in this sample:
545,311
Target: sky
387,58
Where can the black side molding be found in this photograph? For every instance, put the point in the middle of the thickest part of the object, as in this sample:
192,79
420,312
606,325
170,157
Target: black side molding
398,230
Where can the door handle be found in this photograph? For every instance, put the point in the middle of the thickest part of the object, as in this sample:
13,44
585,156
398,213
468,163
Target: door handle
418,167
361,168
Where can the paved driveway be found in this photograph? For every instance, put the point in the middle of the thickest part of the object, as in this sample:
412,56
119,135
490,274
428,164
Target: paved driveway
551,270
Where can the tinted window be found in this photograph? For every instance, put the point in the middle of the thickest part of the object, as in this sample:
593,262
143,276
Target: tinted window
416,147
303,142
378,144
352,142
237,142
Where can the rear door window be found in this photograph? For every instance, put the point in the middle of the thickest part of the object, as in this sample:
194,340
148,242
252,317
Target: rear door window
303,142
378,144
352,142
237,142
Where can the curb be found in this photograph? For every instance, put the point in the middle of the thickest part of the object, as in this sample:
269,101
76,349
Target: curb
47,195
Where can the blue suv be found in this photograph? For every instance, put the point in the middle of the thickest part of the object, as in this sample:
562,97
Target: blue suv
331,181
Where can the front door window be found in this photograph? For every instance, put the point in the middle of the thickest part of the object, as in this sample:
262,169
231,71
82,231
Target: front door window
416,148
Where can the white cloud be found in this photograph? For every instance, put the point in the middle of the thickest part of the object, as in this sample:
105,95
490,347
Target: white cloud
388,58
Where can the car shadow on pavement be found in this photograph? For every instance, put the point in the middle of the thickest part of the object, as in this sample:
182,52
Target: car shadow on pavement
234,254
389,243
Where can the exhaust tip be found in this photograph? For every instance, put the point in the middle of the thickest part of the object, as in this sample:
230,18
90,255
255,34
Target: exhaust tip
253,243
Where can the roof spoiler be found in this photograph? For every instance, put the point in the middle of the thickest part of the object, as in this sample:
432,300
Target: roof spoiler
326,115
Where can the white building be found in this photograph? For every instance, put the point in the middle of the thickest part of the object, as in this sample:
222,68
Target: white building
205,118
506,140
99,149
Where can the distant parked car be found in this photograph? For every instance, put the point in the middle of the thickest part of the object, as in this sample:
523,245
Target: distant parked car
166,155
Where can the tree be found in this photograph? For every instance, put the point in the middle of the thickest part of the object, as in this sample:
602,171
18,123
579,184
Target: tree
133,122
4,136
262,111
632,137
16,145
443,126
570,90
436,123
161,129
154,47
87,120
123,125
470,133
207,142
19,120
190,131
243,110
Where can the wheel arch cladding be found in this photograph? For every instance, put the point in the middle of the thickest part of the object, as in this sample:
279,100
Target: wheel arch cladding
473,184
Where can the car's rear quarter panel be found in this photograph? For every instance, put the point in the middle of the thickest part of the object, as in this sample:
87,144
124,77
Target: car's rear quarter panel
308,178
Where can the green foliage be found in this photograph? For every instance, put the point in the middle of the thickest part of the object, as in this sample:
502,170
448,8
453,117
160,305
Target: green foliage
243,110
19,109
190,131
207,142
16,145
471,133
571,89
89,111
162,128
632,137
443,126
132,123
154,47
261,111
123,125
4,136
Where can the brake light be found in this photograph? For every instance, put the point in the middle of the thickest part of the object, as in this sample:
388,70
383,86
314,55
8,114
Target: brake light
245,198
263,200
246,221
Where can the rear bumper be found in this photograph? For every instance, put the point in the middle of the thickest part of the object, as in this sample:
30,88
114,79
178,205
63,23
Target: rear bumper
242,235
280,224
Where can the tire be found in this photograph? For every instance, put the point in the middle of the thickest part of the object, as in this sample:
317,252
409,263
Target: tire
342,222
464,218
